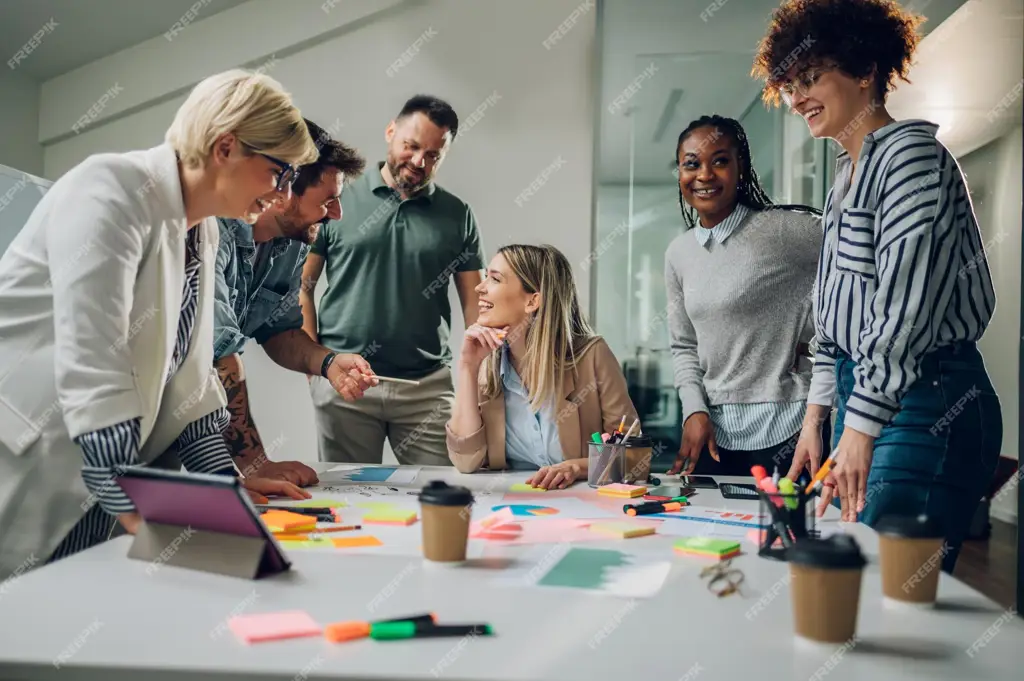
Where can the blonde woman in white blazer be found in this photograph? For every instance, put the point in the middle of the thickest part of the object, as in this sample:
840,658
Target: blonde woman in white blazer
106,317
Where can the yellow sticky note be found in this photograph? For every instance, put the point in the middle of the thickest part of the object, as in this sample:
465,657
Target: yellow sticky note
353,542
321,503
523,487
620,490
303,543
392,517
623,530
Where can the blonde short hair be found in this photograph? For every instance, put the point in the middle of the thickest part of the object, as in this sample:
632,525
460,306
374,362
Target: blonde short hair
253,106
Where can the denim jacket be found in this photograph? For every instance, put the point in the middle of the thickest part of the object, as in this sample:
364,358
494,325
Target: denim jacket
257,289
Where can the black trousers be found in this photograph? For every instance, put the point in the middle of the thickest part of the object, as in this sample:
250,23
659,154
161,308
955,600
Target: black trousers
739,462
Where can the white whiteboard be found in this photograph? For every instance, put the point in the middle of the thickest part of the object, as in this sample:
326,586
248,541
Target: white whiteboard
19,194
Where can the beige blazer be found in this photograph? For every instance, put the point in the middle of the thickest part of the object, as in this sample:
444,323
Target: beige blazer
90,293
594,399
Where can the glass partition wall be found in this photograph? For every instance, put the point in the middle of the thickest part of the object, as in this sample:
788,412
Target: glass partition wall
638,212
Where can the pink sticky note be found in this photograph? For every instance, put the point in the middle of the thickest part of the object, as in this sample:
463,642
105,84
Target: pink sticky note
503,516
274,626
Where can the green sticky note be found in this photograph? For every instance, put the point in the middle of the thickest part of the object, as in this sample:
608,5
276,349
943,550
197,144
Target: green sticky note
707,545
523,487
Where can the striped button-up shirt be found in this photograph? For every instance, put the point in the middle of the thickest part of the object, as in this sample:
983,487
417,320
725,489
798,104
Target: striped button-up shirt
200,447
902,270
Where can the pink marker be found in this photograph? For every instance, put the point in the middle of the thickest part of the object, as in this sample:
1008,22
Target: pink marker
769,487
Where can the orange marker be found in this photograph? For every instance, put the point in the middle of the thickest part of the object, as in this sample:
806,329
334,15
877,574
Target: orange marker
350,631
622,424
651,507
822,472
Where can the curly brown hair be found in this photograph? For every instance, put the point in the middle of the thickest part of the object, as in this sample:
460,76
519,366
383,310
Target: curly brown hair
857,36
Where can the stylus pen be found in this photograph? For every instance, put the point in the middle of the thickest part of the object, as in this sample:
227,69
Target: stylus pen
403,381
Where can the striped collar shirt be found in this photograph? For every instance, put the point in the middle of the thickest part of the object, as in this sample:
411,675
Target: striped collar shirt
723,229
902,270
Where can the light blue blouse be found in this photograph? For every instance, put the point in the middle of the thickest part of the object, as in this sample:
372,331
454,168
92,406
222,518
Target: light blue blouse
531,438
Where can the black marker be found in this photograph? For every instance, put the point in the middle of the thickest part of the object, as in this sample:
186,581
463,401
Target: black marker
393,631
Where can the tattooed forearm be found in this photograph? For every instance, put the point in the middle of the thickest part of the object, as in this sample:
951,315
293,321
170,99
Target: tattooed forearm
241,435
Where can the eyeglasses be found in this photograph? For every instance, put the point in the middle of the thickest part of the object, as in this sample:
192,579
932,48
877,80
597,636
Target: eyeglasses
288,171
724,581
804,80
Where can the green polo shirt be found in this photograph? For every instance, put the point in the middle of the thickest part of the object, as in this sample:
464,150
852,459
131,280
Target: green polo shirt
388,265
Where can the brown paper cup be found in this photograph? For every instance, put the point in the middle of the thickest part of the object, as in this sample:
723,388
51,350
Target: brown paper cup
638,464
445,533
910,569
825,602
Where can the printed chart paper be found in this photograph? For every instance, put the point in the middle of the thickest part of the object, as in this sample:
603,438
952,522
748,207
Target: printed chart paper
607,572
394,475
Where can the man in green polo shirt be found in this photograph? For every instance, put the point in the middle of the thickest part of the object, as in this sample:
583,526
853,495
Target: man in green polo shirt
401,238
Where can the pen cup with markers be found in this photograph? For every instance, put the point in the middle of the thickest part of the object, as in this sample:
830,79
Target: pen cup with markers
785,519
606,463
628,463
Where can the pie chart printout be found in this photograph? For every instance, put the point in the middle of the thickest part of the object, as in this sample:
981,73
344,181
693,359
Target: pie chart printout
526,510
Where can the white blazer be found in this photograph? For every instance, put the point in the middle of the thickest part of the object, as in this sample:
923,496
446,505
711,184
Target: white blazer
90,296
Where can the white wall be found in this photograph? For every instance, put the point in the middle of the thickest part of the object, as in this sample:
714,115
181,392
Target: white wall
339,78
994,177
19,123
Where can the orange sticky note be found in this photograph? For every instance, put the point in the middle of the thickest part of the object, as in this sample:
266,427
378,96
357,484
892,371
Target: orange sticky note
273,626
353,542
284,521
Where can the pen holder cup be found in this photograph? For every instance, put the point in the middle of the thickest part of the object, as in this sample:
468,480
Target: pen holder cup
789,518
628,463
606,464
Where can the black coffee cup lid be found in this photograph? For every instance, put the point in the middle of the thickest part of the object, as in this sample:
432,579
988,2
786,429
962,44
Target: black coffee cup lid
639,441
439,493
840,551
909,526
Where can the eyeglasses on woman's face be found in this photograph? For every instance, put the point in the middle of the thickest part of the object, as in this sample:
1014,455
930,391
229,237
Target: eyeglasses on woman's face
804,80
287,173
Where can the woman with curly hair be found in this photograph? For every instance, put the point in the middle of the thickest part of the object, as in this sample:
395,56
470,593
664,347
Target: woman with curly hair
903,289
739,283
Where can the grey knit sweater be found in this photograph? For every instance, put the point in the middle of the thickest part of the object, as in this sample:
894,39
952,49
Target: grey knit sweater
737,311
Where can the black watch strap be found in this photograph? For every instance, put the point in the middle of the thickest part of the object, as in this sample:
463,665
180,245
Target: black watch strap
328,360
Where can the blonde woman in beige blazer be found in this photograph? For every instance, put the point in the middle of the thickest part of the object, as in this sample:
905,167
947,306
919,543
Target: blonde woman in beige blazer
106,317
534,382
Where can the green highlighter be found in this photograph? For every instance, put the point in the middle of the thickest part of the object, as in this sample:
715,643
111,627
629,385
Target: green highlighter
786,488
394,631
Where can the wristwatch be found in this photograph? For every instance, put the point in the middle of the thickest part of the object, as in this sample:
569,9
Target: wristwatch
328,360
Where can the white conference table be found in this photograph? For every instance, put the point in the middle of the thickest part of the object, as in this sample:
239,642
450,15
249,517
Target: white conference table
105,619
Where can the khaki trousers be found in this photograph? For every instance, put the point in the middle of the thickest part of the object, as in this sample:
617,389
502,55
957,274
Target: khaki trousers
412,418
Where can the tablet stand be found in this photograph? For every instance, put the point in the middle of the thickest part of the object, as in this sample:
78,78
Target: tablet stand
216,552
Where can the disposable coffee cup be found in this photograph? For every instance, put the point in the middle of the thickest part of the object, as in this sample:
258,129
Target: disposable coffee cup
638,454
445,513
825,585
911,549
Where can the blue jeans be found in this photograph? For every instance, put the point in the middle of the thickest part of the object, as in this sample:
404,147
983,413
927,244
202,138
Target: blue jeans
939,453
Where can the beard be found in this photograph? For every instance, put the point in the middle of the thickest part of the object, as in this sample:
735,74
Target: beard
294,228
403,185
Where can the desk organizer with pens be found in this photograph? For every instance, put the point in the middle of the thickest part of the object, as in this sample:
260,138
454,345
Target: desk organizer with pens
627,462
790,517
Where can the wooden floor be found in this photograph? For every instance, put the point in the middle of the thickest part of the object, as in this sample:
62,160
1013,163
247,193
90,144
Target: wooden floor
990,566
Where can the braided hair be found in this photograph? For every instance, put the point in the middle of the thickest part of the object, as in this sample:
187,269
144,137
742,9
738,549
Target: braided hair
748,186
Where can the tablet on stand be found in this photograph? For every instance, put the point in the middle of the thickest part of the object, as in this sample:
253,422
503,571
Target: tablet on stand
201,522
